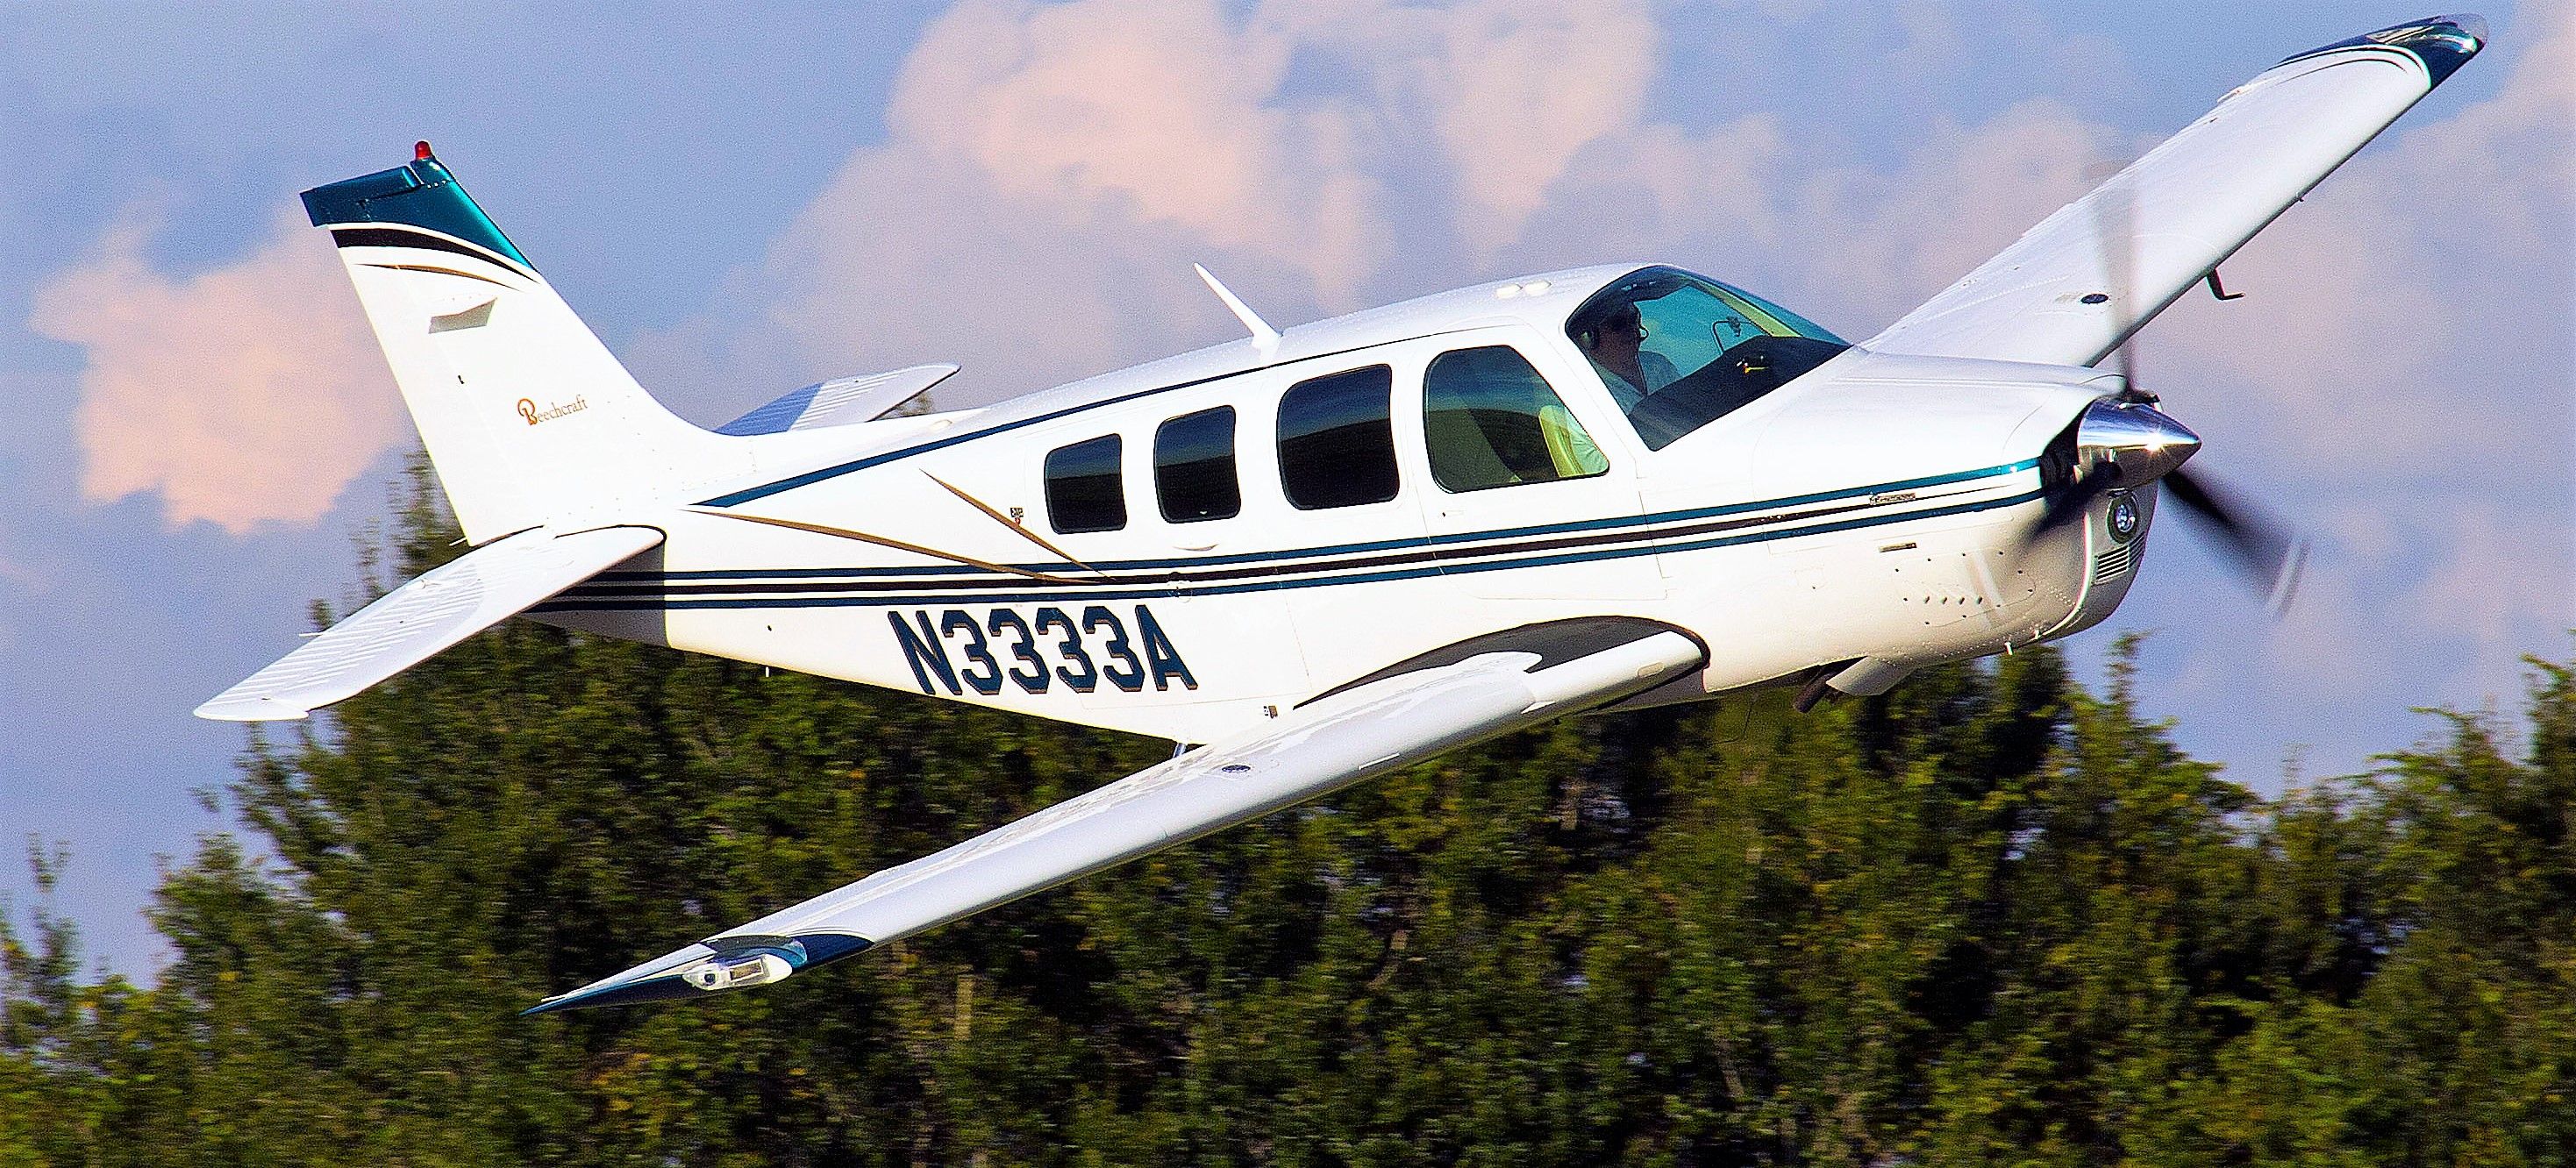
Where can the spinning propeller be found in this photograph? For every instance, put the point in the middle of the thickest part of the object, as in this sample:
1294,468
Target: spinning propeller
2127,442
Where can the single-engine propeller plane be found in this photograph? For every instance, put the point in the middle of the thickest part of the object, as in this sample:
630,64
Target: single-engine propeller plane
1324,552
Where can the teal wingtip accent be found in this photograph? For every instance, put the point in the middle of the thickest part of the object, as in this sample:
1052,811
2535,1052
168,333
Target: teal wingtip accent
2442,43
652,989
422,193
800,953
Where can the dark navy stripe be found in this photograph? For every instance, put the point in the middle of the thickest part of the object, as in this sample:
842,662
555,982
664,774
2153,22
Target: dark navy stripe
1624,521
1176,579
404,237
1114,592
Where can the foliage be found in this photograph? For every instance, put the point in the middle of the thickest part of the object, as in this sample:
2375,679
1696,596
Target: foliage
1990,918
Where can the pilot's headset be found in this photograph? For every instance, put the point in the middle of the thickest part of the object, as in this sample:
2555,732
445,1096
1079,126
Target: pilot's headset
1623,315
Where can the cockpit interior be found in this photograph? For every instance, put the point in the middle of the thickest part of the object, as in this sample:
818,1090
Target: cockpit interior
1678,351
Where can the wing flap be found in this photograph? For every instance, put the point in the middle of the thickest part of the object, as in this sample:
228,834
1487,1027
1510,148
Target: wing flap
2072,288
410,624
1313,750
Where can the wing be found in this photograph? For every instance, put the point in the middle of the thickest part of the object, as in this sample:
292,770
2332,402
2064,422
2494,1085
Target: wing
2078,284
1346,736
408,625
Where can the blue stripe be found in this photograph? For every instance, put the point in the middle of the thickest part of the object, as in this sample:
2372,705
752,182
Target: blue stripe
1382,545
1626,552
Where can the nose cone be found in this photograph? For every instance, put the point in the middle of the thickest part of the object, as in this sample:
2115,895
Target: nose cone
2139,440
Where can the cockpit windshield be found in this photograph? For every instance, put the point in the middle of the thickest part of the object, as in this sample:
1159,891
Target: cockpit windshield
1679,351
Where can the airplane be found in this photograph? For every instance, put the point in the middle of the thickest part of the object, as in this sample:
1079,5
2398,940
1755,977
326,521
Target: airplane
1317,554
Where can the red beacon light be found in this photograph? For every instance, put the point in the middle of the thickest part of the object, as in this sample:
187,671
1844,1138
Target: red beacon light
420,151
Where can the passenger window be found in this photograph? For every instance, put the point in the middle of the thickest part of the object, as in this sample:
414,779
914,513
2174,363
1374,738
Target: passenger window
1336,445
1084,489
1490,420
1194,467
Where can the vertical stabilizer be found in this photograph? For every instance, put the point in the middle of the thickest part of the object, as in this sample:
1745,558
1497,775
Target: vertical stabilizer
526,415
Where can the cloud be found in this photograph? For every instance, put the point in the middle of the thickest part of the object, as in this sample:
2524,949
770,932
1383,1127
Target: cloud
249,394
1511,91
1052,170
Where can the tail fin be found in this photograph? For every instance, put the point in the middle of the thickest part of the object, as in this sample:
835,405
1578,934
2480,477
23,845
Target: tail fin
526,415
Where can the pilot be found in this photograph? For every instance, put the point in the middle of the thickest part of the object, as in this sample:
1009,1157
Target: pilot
1613,338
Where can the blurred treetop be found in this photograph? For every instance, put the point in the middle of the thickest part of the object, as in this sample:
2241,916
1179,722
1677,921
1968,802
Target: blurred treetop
1989,918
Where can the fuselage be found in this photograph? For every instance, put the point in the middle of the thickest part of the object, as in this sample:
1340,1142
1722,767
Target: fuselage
1189,547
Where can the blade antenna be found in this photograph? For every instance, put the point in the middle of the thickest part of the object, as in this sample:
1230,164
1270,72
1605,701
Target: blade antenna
1264,337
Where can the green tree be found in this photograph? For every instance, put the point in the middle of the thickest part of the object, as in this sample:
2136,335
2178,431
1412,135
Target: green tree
1991,917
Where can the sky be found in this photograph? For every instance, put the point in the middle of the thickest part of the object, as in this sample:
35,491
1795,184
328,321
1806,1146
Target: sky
198,433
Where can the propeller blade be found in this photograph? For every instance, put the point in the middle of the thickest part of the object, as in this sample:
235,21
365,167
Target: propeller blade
2070,504
2270,554
2115,233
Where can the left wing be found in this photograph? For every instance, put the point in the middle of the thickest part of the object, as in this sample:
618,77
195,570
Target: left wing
1326,744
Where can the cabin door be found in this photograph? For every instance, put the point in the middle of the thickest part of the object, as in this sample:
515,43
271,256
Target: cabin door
1530,495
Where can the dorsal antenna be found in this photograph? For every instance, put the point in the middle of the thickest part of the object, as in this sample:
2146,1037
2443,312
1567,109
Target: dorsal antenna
1263,336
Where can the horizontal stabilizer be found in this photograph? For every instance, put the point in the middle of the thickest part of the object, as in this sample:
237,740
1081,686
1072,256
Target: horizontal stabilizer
839,402
1314,749
408,625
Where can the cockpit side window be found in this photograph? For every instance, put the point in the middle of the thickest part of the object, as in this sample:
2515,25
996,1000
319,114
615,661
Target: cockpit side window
1677,351
1490,420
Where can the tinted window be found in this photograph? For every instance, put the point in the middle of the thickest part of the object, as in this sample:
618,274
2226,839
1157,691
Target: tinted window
1336,447
1491,421
1083,488
1678,352
1194,466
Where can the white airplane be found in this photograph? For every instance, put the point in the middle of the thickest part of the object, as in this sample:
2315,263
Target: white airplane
1318,554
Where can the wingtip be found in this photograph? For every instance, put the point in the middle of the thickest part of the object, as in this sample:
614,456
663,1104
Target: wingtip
2442,43
716,965
230,708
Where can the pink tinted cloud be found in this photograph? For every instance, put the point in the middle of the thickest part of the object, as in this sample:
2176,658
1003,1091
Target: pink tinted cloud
1052,170
248,394
1162,110
1488,102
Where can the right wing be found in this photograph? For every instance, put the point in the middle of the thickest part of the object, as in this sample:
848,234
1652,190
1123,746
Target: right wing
2071,289
1351,734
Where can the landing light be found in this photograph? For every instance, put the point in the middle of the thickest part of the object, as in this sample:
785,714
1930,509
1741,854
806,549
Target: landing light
738,971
